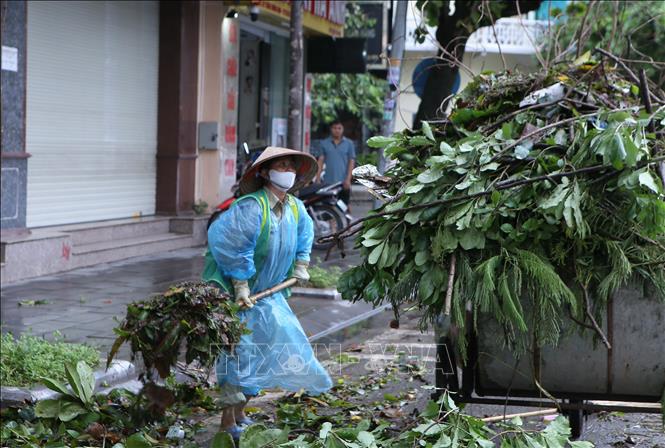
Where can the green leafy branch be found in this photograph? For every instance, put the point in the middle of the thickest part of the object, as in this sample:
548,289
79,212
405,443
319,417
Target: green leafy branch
544,216
505,185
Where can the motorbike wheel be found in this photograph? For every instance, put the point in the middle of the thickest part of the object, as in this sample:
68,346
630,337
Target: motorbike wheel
327,220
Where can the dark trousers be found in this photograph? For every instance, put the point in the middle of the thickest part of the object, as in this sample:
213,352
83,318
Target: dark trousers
345,196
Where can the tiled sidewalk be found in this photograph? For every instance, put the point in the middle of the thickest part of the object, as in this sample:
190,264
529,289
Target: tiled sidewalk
83,303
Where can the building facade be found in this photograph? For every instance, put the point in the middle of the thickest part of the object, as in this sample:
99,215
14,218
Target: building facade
243,83
105,105
120,111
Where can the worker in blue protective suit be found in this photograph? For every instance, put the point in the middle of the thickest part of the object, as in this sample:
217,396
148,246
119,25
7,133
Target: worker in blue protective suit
262,240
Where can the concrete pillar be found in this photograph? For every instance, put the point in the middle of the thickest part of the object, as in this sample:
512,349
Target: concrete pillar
14,158
177,106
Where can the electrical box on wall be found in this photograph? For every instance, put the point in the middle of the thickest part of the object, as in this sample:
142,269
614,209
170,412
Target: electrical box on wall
208,135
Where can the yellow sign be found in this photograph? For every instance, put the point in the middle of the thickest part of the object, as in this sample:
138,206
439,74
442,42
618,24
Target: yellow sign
320,16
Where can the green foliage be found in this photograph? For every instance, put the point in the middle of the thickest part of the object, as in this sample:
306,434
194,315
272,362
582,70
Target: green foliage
357,95
222,440
200,207
533,222
197,313
119,419
324,278
634,30
441,424
25,360
356,23
71,404
370,158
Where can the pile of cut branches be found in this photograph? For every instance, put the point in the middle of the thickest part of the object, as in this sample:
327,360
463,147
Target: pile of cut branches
196,313
537,198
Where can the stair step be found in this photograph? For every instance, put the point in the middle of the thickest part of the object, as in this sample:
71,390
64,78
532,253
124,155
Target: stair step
109,251
116,229
100,246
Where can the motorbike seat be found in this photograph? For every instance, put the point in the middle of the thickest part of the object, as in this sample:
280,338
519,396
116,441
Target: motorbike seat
309,190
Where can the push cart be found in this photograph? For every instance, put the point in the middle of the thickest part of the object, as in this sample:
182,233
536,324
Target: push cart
581,373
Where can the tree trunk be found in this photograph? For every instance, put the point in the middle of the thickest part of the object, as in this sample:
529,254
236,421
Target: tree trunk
442,76
294,136
452,36
438,87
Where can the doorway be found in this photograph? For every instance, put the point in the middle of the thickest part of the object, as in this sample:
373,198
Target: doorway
253,94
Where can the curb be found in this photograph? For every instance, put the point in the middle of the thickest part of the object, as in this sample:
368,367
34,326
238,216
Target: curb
119,371
347,323
316,293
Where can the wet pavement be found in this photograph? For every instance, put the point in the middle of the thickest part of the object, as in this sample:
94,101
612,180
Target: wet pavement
83,304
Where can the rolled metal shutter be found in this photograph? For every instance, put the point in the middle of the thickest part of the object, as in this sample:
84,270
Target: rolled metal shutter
91,110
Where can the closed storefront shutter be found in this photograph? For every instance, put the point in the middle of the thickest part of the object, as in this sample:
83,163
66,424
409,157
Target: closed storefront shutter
91,110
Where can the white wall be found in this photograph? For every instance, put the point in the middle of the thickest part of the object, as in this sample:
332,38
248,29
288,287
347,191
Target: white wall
408,101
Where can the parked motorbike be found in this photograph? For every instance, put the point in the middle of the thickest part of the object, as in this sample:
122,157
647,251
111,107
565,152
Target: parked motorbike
329,213
235,189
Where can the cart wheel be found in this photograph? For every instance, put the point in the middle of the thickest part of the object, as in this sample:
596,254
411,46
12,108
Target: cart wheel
576,419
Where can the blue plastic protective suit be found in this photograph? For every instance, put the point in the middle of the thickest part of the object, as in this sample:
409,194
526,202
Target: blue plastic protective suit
277,352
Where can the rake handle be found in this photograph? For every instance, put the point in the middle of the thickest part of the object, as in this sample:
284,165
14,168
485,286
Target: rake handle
268,292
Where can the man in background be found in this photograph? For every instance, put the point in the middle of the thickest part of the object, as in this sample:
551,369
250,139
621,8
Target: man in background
339,156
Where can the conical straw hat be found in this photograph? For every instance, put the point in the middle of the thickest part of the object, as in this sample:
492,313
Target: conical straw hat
305,171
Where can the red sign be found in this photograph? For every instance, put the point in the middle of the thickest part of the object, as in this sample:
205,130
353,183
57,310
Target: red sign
229,167
231,100
66,251
232,67
331,10
230,134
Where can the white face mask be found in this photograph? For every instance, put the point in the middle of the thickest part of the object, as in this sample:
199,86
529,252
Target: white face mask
282,180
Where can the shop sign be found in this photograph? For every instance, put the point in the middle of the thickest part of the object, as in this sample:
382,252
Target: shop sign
229,95
321,16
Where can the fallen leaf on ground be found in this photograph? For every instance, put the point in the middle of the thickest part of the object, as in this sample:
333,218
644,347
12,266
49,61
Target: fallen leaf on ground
33,302
316,400
392,413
